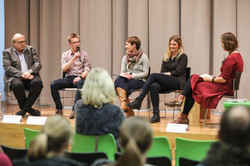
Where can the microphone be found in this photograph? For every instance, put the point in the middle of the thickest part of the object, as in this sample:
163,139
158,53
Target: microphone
78,50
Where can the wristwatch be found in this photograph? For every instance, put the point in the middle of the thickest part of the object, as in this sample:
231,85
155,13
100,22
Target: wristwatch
31,71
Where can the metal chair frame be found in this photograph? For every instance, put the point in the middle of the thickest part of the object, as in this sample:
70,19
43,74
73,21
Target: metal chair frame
188,71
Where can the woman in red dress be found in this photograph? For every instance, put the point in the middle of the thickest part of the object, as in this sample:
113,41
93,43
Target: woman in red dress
208,90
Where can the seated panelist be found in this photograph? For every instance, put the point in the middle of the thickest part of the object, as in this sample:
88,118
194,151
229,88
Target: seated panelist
21,65
134,70
75,63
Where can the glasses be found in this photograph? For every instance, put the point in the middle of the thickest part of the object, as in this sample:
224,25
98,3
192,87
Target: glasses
76,42
21,42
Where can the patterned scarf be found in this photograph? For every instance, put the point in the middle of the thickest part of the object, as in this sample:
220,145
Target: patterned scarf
132,58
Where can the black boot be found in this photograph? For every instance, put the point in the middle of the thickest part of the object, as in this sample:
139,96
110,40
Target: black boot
136,104
156,117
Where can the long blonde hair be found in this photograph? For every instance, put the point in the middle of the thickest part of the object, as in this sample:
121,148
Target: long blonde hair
53,138
168,53
98,88
135,138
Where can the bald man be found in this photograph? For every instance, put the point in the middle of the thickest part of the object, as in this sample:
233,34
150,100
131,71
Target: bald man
21,66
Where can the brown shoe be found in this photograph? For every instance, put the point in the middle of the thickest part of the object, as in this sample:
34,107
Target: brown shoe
72,115
183,119
59,112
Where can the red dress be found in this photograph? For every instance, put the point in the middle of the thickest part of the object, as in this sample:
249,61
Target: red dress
208,94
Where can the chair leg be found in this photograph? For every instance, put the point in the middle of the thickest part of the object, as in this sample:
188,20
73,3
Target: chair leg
11,103
205,118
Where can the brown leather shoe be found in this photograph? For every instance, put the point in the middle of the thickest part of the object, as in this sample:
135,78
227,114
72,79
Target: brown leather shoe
183,119
72,115
59,112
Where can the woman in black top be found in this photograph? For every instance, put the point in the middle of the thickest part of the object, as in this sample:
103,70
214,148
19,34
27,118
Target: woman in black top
172,77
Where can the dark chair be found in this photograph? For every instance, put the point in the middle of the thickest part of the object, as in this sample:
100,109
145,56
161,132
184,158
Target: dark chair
187,162
14,153
88,158
159,161
176,92
236,86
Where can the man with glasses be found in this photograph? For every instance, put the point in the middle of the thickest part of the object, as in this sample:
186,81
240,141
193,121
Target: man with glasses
76,65
21,66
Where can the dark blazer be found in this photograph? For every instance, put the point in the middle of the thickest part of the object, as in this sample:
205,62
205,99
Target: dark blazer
12,64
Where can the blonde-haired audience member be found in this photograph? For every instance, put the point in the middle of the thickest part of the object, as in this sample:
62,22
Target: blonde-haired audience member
95,112
48,147
135,139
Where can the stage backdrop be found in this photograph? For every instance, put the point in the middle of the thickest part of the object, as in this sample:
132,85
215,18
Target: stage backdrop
105,24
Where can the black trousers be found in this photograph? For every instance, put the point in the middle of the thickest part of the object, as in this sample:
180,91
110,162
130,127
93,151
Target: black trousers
156,83
189,100
19,85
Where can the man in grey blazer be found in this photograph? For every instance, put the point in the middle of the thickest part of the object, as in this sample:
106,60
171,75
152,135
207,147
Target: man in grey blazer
21,66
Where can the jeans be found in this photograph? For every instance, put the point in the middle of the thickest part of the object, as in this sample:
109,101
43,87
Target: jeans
66,82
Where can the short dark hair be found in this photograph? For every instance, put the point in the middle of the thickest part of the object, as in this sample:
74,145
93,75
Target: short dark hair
134,40
230,41
73,35
235,126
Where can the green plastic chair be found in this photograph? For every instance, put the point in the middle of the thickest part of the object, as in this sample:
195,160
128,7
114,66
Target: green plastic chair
88,143
30,134
195,150
160,147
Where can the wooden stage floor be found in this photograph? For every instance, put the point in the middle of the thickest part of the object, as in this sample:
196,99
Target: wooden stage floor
13,134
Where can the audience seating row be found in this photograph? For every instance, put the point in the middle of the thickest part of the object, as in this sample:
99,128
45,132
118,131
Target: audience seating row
89,148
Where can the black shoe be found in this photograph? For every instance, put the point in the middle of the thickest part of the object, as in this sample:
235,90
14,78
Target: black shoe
34,112
155,118
136,104
21,112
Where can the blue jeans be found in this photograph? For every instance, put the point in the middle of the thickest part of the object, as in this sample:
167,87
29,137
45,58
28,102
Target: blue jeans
66,82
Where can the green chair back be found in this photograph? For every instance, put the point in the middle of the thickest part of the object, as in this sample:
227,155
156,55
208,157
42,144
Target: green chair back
30,134
102,143
192,149
160,147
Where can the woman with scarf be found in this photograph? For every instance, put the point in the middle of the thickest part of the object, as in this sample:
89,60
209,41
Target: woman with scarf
172,77
134,70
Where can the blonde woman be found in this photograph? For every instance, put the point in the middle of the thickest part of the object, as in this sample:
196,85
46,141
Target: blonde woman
135,139
95,112
172,77
49,146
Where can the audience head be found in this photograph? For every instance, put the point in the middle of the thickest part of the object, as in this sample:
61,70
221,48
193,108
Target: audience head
52,140
235,126
229,41
19,42
134,40
177,41
98,88
135,138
